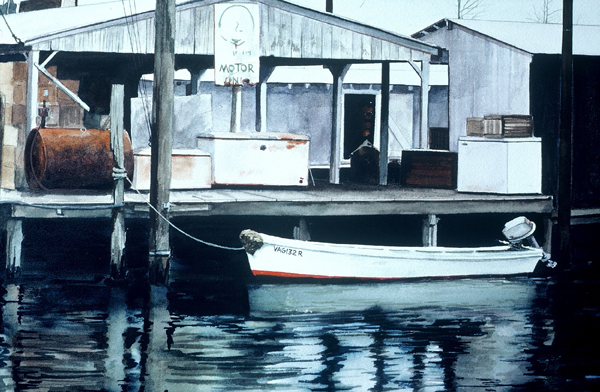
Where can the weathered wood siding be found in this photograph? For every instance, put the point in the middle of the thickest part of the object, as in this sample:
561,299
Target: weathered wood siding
485,77
293,35
286,31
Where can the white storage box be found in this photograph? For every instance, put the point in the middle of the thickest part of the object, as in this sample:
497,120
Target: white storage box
261,158
510,165
190,169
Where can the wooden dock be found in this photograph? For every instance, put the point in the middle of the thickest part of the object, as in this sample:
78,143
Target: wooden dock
313,201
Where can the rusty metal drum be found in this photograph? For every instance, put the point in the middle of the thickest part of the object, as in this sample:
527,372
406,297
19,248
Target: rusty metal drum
64,158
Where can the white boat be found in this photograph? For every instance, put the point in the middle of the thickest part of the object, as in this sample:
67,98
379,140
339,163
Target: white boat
274,256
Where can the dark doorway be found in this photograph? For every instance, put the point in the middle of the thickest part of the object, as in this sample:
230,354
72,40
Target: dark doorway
359,121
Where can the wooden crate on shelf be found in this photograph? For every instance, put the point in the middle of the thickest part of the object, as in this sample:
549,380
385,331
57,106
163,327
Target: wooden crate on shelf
429,168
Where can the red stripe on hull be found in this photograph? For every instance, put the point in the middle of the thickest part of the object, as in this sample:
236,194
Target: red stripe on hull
292,275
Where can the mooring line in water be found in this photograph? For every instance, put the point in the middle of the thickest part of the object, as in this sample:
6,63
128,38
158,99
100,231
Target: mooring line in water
177,228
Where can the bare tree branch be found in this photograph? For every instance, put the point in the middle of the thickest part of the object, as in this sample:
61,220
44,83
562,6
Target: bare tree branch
468,9
548,12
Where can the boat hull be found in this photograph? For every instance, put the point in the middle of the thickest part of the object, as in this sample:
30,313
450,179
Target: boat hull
283,257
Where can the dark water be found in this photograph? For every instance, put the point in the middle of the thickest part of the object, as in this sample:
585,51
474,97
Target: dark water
483,335
66,327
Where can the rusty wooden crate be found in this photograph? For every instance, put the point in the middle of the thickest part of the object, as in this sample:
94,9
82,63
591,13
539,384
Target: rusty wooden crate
429,169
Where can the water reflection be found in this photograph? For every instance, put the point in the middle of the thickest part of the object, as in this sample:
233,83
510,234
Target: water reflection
419,336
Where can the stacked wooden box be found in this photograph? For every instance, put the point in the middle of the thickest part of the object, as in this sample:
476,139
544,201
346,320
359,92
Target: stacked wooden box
501,126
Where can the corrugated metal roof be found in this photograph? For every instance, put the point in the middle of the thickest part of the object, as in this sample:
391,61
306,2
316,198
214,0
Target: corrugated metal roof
535,38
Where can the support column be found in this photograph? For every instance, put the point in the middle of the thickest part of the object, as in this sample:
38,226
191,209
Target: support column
430,230
14,240
338,72
118,237
548,227
33,78
161,142
301,231
425,67
385,121
236,109
195,78
422,141
261,99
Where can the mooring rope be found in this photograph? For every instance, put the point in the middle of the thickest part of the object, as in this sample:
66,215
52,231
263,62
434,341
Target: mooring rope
177,228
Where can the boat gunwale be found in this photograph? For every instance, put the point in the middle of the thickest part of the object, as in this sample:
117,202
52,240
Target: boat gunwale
323,247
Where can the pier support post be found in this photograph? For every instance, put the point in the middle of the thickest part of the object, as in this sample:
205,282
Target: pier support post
117,240
161,142
14,239
430,230
301,231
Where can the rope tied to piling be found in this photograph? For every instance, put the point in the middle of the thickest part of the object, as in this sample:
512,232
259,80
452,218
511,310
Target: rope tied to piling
177,228
119,173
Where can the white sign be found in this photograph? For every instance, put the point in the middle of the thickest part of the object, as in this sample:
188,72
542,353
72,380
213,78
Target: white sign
236,44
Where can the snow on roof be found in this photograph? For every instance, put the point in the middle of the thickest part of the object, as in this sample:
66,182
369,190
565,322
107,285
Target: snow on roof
536,38
35,24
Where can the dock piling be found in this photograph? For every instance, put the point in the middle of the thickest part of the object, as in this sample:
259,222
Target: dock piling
430,230
117,241
14,239
161,142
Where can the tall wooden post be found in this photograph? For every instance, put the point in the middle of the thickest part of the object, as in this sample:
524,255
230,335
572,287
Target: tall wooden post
161,141
261,98
424,122
236,109
385,121
565,147
117,239
338,72
33,57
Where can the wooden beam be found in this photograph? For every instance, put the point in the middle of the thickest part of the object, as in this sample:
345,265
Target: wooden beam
385,123
338,72
62,87
32,91
261,98
161,142
118,236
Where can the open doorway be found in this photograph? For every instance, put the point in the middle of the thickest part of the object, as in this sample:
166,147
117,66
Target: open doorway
359,121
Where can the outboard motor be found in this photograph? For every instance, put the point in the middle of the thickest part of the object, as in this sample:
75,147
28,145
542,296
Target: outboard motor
519,230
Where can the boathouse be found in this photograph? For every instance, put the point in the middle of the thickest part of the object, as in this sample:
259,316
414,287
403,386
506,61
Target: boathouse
75,65
498,67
